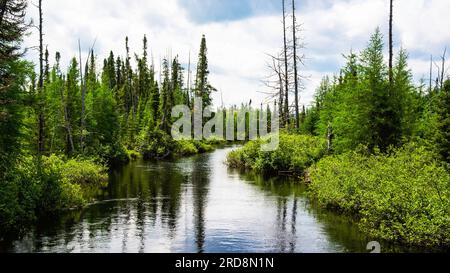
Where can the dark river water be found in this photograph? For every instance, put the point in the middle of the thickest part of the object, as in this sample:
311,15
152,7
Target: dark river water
194,205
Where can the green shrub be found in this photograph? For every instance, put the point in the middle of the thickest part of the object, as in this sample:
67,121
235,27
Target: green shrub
132,154
36,187
19,194
186,148
157,144
294,154
83,172
203,147
63,182
403,197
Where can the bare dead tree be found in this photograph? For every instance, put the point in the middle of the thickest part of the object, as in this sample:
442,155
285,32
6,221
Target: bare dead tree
83,93
275,82
431,74
41,121
391,50
67,125
443,69
286,70
281,89
438,78
294,41
189,81
83,99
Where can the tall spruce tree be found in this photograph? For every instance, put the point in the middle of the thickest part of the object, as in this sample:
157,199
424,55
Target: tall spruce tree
202,86
382,116
166,94
13,74
443,122
73,105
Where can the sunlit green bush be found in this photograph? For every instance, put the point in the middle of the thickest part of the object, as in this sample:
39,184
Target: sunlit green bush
186,148
203,147
132,154
403,197
157,144
191,147
35,187
294,154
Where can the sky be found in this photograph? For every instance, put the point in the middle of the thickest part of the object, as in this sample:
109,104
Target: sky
241,33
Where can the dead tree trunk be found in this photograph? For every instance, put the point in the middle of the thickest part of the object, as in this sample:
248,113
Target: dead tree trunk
391,50
189,82
41,137
281,95
431,74
294,26
286,74
83,101
443,69
83,93
330,137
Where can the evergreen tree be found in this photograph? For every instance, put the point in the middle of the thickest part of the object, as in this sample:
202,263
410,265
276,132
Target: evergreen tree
13,74
55,109
443,122
166,95
110,71
202,86
382,117
73,103
177,83
154,104
405,99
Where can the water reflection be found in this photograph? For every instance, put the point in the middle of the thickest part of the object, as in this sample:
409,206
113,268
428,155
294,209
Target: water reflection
194,205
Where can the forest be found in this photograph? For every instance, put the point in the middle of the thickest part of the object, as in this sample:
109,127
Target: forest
374,145
61,131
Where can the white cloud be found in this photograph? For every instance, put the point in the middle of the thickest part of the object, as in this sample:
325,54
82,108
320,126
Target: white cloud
237,49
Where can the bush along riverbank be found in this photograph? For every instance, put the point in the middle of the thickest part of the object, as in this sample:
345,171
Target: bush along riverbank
51,184
46,186
159,145
294,155
402,196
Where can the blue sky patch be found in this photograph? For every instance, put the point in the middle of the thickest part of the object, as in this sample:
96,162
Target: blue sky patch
206,11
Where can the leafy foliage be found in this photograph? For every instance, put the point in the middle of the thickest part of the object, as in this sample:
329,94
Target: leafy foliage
403,196
295,154
37,187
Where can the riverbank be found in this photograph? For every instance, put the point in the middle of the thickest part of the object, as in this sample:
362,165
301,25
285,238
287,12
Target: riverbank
55,183
194,204
46,186
402,197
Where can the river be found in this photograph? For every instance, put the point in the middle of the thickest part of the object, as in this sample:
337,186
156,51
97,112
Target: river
193,205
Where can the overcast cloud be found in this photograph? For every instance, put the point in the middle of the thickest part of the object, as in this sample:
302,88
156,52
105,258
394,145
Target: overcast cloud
240,32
